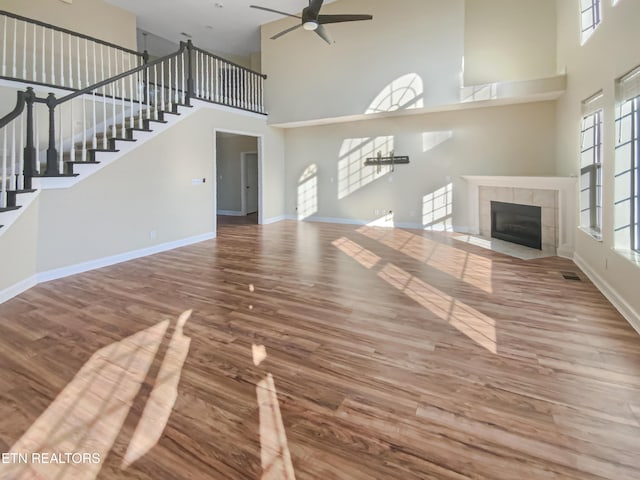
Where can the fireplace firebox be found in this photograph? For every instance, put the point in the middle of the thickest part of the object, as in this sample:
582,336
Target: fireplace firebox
516,223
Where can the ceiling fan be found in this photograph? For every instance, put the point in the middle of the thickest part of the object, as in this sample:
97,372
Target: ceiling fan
312,20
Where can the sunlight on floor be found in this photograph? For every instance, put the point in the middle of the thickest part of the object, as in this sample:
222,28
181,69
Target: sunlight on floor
364,257
259,354
467,320
88,414
163,397
469,267
275,457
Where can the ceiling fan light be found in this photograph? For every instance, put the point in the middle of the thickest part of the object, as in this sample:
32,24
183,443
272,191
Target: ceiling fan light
310,25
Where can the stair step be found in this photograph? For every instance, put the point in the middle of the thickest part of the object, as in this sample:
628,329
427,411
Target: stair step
112,141
9,209
56,175
68,166
12,196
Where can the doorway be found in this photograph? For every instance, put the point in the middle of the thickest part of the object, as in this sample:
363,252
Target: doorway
238,195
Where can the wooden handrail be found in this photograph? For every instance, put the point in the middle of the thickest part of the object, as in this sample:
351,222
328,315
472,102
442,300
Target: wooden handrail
115,78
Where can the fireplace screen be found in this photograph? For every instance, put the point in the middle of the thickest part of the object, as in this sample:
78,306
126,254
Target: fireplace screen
517,224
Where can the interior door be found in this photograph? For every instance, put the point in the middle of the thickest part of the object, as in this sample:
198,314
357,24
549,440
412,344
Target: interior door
251,182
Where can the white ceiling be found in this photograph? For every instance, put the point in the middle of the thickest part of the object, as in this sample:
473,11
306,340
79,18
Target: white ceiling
233,29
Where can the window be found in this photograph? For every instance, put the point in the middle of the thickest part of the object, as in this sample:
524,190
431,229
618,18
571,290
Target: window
590,17
627,168
591,171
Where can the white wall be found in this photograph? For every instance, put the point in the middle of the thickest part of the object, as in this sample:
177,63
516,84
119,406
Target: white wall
609,53
229,147
513,140
310,79
507,40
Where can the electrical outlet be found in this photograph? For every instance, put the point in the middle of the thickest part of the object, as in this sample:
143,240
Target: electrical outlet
153,234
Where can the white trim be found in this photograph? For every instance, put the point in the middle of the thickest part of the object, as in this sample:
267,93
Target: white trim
243,180
610,293
260,141
279,218
119,258
230,213
566,188
16,289
373,222
62,272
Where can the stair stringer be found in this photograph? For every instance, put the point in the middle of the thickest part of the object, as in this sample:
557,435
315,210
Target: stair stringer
106,158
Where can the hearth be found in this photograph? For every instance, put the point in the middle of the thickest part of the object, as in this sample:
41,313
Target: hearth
521,224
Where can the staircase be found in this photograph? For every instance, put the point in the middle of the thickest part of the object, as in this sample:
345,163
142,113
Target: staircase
56,140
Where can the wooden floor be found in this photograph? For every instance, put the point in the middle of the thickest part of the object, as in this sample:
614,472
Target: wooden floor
317,351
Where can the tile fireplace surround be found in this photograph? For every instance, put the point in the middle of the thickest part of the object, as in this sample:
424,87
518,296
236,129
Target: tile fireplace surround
555,195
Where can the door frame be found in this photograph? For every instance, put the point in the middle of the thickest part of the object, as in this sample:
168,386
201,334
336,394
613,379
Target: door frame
243,182
260,142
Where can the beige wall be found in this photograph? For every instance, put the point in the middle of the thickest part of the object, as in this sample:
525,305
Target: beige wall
149,189
114,211
228,150
506,40
514,140
19,248
90,17
309,79
608,54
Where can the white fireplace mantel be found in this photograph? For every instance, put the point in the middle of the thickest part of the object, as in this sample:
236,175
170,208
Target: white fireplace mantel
564,186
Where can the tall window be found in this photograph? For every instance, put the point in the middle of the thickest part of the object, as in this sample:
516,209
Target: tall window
591,173
590,17
627,168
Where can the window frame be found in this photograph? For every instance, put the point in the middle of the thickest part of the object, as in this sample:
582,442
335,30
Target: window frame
633,167
593,169
595,9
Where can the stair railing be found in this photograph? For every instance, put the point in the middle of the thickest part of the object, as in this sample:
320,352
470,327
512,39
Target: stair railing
91,119
217,80
86,120
18,154
44,54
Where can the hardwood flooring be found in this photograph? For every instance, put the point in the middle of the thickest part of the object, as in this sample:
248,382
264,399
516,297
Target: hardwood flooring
318,351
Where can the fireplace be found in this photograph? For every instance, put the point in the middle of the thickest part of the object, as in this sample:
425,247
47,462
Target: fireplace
516,223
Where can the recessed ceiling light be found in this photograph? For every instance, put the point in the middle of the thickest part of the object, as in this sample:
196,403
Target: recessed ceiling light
208,27
218,4
185,34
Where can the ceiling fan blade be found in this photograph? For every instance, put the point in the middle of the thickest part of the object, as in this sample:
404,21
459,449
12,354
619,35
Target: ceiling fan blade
324,19
284,32
322,32
274,11
314,7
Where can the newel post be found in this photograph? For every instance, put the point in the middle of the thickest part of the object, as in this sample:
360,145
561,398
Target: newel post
52,153
29,149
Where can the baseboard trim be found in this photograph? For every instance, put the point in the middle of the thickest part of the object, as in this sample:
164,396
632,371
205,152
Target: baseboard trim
230,213
279,218
356,221
62,272
16,289
626,310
